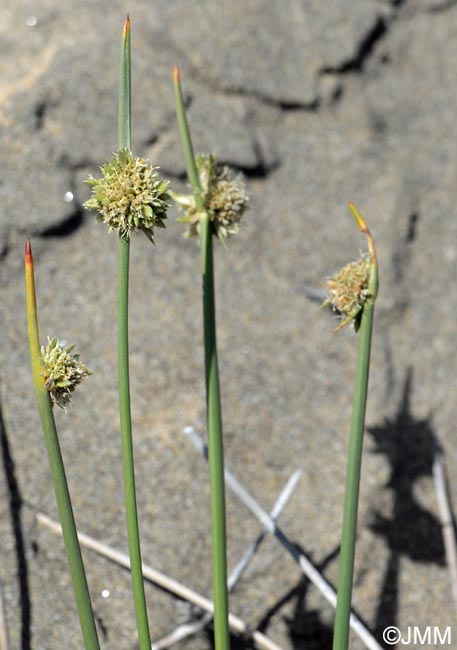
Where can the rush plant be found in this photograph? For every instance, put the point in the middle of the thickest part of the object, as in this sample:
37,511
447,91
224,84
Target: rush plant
56,371
129,196
215,208
353,292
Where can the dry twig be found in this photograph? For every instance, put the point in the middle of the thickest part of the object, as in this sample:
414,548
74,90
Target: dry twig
164,581
188,629
446,518
304,563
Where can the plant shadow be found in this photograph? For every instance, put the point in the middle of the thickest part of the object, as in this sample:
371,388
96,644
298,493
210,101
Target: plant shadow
15,510
305,627
235,643
411,531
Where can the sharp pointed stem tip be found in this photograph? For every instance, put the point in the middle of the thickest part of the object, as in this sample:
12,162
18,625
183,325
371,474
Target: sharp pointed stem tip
28,252
126,26
363,227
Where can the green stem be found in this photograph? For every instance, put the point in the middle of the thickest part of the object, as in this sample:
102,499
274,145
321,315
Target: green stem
213,399
353,471
127,450
59,480
186,142
123,370
125,90
215,443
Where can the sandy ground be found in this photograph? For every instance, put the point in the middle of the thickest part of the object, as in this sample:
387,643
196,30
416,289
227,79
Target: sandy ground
316,104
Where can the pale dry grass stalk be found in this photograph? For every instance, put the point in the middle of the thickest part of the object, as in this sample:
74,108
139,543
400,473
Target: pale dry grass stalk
237,625
305,564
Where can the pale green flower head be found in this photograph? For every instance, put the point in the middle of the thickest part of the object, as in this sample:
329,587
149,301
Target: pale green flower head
62,371
348,291
224,199
129,196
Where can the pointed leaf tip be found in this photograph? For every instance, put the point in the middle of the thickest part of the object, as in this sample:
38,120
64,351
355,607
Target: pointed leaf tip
363,227
28,252
361,223
176,72
126,26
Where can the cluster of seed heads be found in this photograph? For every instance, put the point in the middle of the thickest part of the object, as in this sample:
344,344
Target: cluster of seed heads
62,371
223,195
129,196
348,290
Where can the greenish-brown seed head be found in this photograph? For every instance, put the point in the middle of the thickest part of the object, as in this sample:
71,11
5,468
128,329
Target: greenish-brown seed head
129,196
348,289
224,199
62,371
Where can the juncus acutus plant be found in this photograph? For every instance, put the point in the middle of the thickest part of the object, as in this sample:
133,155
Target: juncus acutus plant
129,197
215,208
56,372
353,292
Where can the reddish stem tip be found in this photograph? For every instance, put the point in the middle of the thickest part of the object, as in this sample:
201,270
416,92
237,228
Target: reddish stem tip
28,252
126,26
176,72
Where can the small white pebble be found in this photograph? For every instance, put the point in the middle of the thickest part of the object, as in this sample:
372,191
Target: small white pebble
105,593
68,197
245,349
31,21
